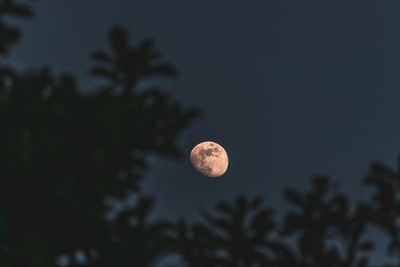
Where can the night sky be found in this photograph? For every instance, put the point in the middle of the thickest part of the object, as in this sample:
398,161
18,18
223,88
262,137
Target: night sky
289,88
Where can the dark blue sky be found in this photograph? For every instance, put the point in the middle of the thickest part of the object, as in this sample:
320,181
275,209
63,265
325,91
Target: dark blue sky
289,88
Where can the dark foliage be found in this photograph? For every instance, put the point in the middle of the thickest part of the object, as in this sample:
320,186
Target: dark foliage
65,156
328,233
239,236
64,153
10,34
385,202
129,64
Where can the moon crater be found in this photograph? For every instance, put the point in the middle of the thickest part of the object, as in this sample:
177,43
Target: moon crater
209,158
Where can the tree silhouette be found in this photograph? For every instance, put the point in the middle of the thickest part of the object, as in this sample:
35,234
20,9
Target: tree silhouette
240,235
9,35
68,160
329,234
385,202
129,64
133,239
64,153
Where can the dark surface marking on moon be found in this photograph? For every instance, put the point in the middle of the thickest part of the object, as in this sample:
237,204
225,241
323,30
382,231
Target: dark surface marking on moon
209,152
202,156
204,153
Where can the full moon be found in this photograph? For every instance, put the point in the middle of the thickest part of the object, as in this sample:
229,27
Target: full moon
209,158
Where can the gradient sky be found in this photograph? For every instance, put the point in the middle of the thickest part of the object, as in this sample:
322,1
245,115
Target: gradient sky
289,88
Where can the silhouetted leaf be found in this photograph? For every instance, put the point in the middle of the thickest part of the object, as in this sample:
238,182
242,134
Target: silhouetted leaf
367,246
102,56
292,196
102,72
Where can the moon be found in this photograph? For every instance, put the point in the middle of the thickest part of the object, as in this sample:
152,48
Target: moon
210,159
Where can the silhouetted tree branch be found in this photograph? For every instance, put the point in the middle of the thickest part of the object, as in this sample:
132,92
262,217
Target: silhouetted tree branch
9,35
240,235
65,156
385,202
323,217
129,64
64,153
